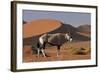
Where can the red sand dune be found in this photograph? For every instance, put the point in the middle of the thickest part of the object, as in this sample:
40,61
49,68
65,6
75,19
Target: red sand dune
38,27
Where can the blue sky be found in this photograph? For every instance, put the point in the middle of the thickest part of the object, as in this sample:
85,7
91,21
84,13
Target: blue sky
73,18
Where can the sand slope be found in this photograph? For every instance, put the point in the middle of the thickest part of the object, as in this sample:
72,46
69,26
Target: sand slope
85,29
40,26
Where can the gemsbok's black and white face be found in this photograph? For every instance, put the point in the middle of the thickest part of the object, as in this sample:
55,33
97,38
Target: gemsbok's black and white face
69,38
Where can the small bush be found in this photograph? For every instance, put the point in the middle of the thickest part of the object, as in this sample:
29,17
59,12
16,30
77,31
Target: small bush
79,51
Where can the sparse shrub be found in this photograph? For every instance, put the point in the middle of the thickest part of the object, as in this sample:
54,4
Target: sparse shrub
71,47
79,51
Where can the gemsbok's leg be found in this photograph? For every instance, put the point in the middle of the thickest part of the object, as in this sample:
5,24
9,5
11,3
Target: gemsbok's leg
43,52
44,45
58,50
38,52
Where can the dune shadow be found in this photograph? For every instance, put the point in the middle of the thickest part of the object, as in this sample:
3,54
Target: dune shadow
65,28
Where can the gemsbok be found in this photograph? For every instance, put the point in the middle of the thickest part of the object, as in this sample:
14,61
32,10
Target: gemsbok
57,39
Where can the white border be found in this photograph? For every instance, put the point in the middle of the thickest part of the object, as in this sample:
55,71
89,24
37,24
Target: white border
21,65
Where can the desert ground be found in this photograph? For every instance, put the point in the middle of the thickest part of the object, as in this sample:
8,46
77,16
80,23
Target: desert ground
79,49
69,51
